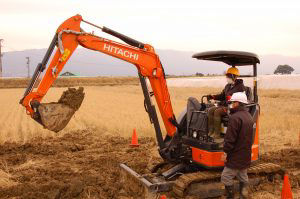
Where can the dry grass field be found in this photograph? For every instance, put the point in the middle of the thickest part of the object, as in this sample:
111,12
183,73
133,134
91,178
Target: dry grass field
116,111
72,81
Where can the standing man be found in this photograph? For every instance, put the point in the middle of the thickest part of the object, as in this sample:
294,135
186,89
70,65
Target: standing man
237,145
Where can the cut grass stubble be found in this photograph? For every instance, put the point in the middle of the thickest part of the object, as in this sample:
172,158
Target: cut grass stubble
118,110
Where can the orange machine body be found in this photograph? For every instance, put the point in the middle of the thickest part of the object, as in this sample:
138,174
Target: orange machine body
214,159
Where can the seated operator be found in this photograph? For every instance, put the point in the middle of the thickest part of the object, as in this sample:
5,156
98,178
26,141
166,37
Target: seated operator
216,112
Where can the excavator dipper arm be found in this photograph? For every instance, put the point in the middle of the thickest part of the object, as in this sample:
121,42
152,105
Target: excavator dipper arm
69,35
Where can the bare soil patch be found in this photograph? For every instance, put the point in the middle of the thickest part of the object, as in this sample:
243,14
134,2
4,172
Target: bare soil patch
81,164
72,97
77,165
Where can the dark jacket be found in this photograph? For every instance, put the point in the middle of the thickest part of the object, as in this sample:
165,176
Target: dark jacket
238,139
229,89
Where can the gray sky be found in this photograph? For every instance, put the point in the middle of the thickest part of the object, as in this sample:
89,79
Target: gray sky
260,26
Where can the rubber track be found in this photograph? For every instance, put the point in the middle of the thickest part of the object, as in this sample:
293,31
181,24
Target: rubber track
183,182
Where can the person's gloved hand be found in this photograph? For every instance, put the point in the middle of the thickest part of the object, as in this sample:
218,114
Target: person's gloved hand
210,97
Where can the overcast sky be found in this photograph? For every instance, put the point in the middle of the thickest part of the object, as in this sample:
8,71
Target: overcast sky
260,26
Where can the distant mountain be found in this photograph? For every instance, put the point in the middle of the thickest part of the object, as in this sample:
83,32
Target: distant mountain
90,63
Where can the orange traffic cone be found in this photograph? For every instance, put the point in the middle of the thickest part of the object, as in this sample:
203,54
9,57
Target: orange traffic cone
134,139
163,197
286,188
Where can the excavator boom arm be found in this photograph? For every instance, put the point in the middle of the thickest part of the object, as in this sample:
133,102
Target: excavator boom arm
69,35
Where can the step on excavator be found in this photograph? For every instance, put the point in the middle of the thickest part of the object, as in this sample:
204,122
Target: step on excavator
192,159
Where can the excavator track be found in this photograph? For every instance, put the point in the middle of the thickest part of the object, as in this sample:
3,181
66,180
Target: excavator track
184,181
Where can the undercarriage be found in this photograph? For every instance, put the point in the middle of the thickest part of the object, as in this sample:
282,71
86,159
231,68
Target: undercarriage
183,180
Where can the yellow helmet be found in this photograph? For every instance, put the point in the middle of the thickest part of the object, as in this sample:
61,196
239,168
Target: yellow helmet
233,70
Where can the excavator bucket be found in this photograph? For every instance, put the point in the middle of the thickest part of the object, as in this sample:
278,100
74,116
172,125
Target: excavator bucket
55,116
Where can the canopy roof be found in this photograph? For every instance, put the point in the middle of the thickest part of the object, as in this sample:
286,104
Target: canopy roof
233,58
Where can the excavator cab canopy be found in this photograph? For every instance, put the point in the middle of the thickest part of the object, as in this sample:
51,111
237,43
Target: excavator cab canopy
232,58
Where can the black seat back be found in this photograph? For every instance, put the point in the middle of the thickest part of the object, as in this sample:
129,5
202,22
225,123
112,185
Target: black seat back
249,93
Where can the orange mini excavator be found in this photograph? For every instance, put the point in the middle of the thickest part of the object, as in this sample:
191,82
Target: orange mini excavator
191,157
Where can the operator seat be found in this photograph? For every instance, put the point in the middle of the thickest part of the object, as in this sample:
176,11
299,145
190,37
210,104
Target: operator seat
249,94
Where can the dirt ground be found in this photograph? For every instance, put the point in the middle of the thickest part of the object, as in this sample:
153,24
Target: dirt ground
82,160
77,165
84,164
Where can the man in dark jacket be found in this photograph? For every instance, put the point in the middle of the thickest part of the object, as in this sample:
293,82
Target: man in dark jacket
216,112
237,145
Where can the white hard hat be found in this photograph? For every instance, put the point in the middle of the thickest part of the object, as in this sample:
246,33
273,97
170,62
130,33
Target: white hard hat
239,97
